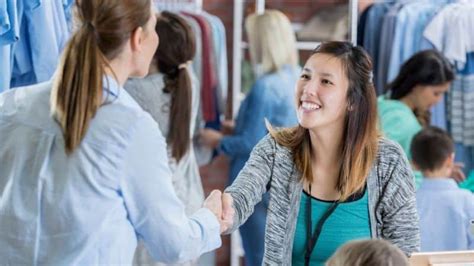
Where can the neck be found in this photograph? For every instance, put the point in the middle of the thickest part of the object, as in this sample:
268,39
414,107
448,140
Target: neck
119,70
407,101
326,148
437,174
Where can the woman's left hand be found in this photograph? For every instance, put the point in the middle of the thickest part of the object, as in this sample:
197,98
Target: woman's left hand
210,137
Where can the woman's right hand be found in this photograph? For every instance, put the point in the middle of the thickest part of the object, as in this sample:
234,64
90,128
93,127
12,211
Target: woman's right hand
220,204
227,127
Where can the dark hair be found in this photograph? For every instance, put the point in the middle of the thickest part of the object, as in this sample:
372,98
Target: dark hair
370,252
105,26
430,148
427,67
176,50
360,138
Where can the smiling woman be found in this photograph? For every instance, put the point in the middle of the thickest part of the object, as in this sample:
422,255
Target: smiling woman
332,178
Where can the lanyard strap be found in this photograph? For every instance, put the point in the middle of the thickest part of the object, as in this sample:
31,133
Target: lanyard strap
312,239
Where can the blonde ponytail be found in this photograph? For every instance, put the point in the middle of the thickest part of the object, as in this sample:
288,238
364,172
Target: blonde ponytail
77,92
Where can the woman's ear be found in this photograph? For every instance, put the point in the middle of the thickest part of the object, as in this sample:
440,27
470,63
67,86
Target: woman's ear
136,39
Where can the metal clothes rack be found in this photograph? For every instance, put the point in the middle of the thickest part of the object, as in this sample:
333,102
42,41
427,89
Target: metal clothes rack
175,5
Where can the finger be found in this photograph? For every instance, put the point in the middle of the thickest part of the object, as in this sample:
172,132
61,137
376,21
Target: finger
215,194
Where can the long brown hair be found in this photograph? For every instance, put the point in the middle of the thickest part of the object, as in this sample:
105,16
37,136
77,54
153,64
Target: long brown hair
360,136
105,26
173,56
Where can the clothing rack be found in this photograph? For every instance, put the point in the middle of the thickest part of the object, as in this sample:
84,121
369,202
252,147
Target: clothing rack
173,5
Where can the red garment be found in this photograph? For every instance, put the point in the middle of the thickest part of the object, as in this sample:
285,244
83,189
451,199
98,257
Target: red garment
208,79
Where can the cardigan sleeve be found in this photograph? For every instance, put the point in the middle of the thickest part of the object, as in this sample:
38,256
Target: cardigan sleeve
399,217
251,183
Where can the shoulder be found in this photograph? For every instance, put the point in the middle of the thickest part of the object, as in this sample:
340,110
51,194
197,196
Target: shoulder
145,88
269,148
388,106
392,165
119,122
389,150
29,106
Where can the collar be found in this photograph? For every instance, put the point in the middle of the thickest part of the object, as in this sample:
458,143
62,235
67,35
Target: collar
439,183
113,92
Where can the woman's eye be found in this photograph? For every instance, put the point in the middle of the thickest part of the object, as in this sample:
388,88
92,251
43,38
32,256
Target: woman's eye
326,81
304,76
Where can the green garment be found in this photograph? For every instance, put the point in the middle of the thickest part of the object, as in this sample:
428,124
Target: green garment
399,123
469,182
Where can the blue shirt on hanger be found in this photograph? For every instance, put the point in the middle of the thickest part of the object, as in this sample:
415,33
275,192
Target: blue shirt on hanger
43,33
90,207
8,36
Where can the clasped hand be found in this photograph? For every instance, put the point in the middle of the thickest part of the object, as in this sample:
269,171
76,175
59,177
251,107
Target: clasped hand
221,205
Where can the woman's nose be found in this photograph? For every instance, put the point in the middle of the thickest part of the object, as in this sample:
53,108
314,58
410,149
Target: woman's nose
310,89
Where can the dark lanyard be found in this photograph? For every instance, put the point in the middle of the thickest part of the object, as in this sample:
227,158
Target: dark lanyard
312,239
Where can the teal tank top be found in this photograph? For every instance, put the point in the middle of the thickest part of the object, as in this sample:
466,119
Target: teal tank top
349,221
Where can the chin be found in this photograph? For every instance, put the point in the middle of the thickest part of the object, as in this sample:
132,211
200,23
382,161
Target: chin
307,124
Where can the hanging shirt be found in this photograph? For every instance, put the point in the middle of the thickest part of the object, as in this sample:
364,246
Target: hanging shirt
209,80
372,36
90,207
9,34
445,213
43,35
220,58
454,22
408,39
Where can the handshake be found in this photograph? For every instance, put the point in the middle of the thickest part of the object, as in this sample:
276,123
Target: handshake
221,205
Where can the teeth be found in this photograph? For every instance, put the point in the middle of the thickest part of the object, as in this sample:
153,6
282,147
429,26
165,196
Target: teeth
310,106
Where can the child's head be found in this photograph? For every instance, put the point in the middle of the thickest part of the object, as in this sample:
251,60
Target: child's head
369,252
432,151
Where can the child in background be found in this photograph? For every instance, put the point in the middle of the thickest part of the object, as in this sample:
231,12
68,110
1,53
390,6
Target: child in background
445,210
370,252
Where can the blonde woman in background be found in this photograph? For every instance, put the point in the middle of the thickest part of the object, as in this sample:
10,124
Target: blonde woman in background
171,96
275,60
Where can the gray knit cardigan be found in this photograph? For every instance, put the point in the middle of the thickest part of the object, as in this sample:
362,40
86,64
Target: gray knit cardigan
390,184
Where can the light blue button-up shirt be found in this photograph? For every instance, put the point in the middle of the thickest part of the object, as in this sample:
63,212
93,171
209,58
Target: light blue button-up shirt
445,213
89,208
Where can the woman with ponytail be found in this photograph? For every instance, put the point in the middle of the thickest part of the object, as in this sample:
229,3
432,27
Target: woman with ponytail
84,170
171,96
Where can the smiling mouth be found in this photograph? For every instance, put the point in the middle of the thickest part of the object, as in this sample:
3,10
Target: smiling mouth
310,106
